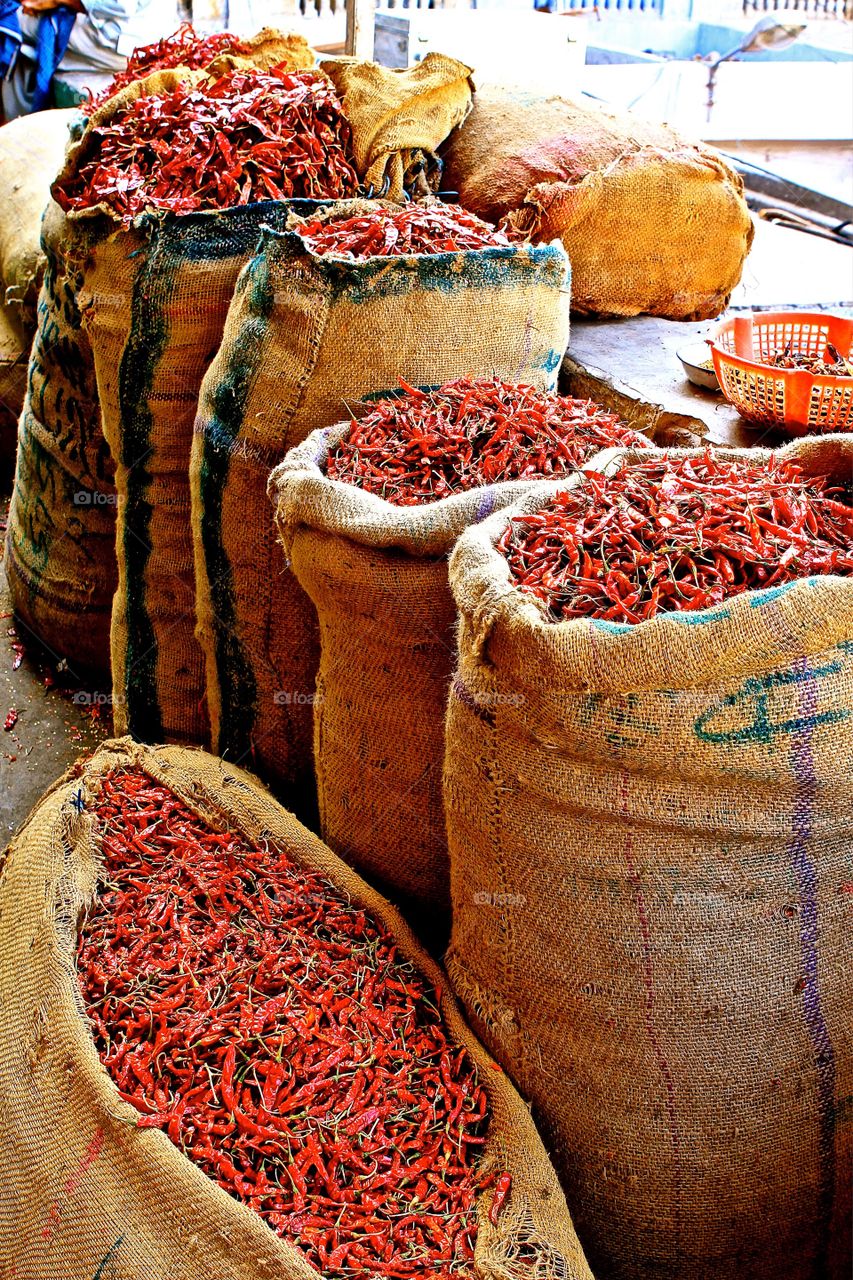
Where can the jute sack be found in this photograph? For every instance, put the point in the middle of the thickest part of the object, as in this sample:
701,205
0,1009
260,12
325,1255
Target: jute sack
154,301
400,118
87,1192
376,574
60,545
650,832
31,151
305,335
13,383
651,221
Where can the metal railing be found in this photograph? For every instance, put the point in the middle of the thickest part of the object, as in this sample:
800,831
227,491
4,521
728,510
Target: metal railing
616,6
812,8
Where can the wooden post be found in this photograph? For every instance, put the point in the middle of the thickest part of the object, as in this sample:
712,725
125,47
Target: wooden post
360,17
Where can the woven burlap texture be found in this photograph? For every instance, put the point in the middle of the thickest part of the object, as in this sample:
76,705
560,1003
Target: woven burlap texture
400,118
376,574
60,545
652,222
305,336
86,1192
650,833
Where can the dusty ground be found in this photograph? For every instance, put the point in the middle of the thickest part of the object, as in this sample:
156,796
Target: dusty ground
50,718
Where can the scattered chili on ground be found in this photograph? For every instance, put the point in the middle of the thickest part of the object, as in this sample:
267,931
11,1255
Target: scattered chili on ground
244,136
678,534
426,445
833,365
268,1025
184,48
394,231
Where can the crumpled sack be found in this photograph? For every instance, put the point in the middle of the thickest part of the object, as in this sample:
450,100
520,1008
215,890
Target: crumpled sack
400,118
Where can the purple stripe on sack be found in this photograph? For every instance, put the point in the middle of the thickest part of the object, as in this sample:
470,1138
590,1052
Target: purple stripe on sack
803,769
466,697
649,1012
486,505
323,447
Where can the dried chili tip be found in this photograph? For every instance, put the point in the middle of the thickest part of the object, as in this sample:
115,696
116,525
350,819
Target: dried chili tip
11,719
499,1199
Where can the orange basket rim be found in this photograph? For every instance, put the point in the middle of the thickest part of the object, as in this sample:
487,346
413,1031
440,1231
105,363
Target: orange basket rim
764,318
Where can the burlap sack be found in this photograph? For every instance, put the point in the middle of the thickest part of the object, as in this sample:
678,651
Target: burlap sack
87,1193
400,118
154,301
376,574
13,382
60,546
650,832
31,151
305,335
270,48
651,221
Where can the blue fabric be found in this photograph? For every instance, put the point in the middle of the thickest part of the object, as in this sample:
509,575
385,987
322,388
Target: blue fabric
10,35
54,32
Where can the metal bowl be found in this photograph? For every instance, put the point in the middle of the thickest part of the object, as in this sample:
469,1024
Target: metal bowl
695,358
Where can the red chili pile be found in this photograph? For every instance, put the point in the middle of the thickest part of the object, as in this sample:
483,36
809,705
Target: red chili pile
393,231
426,445
245,1007
183,49
678,534
833,365
244,136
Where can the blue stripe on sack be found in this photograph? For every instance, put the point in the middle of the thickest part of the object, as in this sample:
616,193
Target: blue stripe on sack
237,685
498,267
803,866
146,345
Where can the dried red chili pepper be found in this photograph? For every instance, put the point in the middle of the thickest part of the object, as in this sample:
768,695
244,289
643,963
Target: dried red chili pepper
426,445
502,1190
184,48
268,1026
391,231
678,534
832,365
245,136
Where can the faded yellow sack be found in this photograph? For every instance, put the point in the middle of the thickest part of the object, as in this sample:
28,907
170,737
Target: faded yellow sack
31,151
60,545
13,383
651,832
400,118
651,221
305,336
88,1192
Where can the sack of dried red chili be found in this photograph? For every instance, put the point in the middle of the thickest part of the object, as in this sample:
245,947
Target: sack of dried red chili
60,545
305,334
154,301
154,304
650,833
195,1085
368,512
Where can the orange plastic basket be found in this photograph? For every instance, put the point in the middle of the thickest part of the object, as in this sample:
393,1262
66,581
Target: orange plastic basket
802,402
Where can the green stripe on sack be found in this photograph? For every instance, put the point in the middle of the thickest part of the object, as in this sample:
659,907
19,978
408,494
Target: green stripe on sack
237,685
148,340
